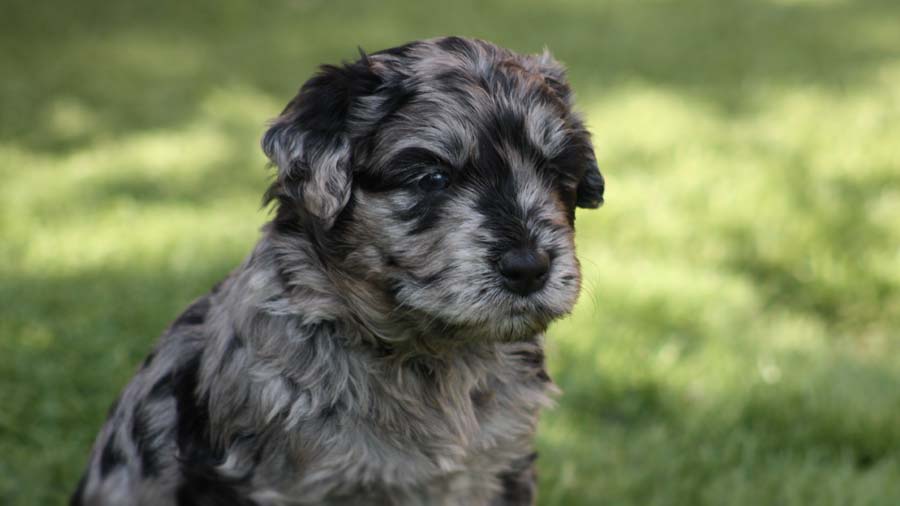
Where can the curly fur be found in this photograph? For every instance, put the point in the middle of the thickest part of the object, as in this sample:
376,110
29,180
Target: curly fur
366,352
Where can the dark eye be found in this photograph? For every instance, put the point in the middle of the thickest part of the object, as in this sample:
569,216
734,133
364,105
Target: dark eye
435,181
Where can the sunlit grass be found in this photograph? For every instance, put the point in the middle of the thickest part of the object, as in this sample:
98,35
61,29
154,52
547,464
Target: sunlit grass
736,341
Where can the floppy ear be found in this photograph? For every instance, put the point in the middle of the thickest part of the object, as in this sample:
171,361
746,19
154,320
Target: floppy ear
589,193
310,142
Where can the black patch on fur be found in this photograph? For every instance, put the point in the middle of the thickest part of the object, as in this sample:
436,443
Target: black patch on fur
195,314
377,182
481,397
497,200
590,189
147,438
508,127
434,277
519,483
425,213
323,104
201,484
345,217
458,83
504,217
531,358
111,457
576,168
162,389
144,437
234,344
391,261
534,361
397,96
456,45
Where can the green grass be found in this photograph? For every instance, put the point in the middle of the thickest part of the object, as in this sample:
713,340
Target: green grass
738,338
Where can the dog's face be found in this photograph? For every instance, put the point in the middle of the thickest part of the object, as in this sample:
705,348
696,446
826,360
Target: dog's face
446,172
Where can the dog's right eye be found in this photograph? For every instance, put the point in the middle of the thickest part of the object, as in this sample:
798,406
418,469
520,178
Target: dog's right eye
435,181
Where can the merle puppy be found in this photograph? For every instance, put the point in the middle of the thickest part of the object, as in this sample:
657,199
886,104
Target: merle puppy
382,342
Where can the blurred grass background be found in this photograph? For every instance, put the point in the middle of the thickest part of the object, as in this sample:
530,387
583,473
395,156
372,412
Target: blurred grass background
737,339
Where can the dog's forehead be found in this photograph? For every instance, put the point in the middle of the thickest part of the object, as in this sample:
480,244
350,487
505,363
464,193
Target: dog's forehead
457,91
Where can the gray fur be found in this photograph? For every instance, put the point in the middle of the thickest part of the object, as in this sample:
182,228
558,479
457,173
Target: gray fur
352,359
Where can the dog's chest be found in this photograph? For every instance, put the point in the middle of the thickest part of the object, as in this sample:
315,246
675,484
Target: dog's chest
427,450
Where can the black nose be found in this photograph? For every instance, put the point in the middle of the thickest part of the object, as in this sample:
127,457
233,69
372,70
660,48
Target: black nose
524,270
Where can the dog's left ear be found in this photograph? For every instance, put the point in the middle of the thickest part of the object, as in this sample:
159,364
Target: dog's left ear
310,142
589,193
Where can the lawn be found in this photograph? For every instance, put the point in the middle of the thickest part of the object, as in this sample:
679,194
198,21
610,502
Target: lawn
737,340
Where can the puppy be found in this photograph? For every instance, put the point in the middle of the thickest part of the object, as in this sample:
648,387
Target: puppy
382,342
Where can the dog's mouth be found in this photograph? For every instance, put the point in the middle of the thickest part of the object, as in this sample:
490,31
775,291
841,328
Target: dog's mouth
511,322
480,305
503,328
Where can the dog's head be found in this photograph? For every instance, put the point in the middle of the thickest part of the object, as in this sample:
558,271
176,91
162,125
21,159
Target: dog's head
447,172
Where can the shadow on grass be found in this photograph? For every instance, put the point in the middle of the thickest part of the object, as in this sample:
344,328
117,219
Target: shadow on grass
826,271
